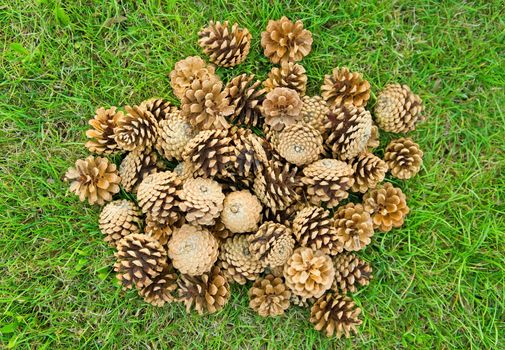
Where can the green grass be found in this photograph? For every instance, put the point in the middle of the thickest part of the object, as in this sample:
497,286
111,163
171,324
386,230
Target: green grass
438,280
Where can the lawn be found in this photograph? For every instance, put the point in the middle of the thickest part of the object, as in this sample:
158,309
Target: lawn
438,280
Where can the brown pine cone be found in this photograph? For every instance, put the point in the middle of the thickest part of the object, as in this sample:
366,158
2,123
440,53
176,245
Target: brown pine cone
374,140
343,87
186,71
250,154
285,216
241,212
163,289
285,41
269,296
313,228
369,171
246,97
335,314
202,200
282,107
226,45
140,258
398,109
354,226
314,111
309,273
159,107
404,158
161,232
184,170
102,139
173,134
290,75
136,166
272,244
300,144
94,179
350,271
387,206
119,219
138,130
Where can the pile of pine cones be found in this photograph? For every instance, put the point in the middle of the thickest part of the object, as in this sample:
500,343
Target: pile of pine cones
249,181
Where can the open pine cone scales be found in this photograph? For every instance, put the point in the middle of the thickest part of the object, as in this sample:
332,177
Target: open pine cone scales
335,314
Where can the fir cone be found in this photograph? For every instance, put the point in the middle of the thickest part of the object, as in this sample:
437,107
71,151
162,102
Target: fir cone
159,108
335,314
269,296
140,258
119,219
343,87
369,171
186,71
163,288
290,75
300,144
173,134
241,212
138,130
374,140
314,111
350,271
250,154
102,139
354,226
136,166
226,45
282,107
398,109
387,206
272,244
184,170
246,97
404,158
193,250
94,179
285,41
201,200
309,273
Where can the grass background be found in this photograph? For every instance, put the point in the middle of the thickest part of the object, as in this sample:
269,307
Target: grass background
439,280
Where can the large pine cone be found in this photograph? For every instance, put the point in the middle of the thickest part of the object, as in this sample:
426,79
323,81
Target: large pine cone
201,200
241,212
173,134
138,130
300,144
186,71
250,154
246,97
272,244
290,75
285,41
354,226
398,109
314,111
387,206
269,296
119,219
94,179
343,87
136,166
282,107
309,273
102,138
335,314
226,46
159,107
404,158
163,288
350,271
369,171
140,258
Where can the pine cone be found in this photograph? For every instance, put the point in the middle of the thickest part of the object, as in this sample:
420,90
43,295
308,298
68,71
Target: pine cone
343,87
349,129
300,144
285,216
159,108
387,206
138,130
102,134
335,314
220,231
398,109
290,75
161,232
94,179
272,245
404,158
208,293
284,41
246,97
313,228
163,288
327,181
173,134
201,200
186,71
193,250
369,171
119,219
140,258
374,140
269,296
282,107
241,212
314,111
250,154
301,301
136,166
184,170
350,271
354,226
226,46
309,273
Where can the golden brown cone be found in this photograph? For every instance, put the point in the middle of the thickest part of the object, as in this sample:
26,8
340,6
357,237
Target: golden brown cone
173,134
335,314
404,158
186,71
387,206
202,200
136,166
241,212
300,144
119,219
246,97
138,130
102,139
369,171
350,271
272,244
163,288
290,75
282,107
344,87
354,226
159,107
314,111
269,296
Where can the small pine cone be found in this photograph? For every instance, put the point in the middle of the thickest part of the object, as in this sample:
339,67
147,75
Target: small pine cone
354,226
335,314
272,245
163,289
184,170
349,129
246,97
136,166
328,180
157,197
207,293
193,250
159,107
161,232
140,258
374,140
300,144
201,200
290,75
241,212
313,228
119,219
226,46
314,111
343,87
369,171
387,206
301,301
94,179
350,271
282,107
102,138
269,296
398,109
404,158
309,273
138,130
186,71
236,261
173,134
285,41
250,154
